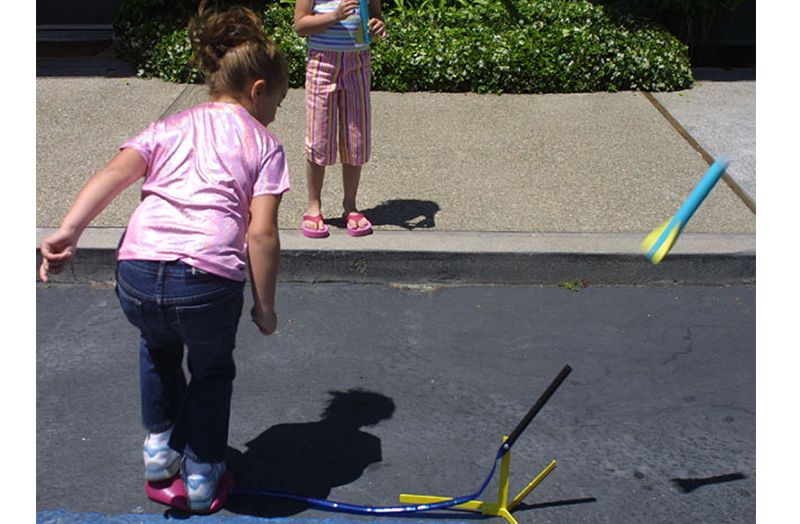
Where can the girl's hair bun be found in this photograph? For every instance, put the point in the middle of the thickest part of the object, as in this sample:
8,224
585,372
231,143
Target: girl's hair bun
231,48
214,32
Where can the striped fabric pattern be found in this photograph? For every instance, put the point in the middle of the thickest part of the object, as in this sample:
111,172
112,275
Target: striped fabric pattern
338,107
347,35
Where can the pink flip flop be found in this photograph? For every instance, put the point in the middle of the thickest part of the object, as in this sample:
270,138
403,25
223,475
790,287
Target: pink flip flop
322,228
357,231
171,492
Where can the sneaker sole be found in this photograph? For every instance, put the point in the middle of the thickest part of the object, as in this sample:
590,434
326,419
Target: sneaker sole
172,493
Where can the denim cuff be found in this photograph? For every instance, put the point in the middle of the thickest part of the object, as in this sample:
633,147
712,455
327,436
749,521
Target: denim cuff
159,428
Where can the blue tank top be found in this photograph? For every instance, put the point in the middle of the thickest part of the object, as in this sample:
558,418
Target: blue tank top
346,35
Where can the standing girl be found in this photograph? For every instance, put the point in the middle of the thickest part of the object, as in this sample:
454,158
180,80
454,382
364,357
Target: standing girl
338,78
213,180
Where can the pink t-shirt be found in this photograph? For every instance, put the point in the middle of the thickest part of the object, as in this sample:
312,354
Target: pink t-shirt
204,166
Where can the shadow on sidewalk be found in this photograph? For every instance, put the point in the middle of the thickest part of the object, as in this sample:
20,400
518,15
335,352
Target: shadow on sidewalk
409,214
309,458
80,59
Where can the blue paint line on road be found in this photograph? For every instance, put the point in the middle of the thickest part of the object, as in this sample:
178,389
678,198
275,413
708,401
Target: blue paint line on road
69,517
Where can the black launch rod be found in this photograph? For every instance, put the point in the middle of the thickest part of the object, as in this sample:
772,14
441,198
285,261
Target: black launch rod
536,407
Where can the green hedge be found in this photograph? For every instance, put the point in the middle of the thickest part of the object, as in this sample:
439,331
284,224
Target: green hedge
528,46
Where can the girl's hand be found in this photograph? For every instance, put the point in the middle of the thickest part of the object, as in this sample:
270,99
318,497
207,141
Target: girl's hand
57,250
122,171
345,9
377,27
267,322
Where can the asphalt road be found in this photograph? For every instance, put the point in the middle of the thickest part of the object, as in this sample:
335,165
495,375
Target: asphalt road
655,424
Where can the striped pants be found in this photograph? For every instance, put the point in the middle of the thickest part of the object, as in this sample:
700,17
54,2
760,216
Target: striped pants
338,106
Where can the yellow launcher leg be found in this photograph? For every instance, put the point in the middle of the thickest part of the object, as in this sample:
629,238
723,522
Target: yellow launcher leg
501,508
535,482
503,512
472,505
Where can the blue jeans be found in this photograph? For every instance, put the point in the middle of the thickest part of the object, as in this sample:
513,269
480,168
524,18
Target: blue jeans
175,305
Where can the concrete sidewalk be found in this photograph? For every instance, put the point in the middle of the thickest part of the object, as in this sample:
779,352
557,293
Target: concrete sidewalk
461,187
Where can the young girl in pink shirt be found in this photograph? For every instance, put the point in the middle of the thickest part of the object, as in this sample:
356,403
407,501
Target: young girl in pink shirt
213,177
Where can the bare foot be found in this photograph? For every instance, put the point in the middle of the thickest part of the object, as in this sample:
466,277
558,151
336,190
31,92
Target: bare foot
310,224
363,222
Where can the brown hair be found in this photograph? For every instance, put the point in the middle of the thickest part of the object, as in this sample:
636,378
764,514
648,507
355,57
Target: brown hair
232,50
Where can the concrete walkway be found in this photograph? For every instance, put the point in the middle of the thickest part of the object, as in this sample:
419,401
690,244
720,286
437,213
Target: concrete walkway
464,187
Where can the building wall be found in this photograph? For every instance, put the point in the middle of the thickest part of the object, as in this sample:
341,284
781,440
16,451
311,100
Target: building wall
74,12
738,28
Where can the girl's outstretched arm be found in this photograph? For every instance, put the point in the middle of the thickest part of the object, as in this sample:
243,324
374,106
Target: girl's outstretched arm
264,251
59,248
307,23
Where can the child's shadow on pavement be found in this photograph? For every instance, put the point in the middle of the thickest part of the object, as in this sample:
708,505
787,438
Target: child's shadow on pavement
409,214
309,458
